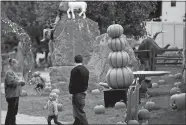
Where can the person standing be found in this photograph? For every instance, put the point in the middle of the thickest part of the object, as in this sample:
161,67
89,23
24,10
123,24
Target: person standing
13,85
77,87
52,109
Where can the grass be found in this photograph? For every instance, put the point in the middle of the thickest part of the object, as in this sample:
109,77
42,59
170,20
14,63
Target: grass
33,105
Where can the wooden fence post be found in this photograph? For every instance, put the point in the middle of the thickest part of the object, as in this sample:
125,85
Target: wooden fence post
133,100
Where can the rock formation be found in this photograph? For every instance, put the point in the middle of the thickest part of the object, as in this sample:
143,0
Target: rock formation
73,37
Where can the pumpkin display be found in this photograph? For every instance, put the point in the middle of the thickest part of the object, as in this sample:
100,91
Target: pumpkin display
178,101
118,59
161,81
23,93
95,91
143,114
99,109
120,105
133,122
150,105
57,91
115,30
118,78
60,107
155,85
117,44
175,90
177,84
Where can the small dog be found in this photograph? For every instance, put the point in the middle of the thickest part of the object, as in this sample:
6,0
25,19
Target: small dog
40,85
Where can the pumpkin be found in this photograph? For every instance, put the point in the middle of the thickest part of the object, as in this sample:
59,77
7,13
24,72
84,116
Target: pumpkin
170,75
117,44
178,76
160,82
99,109
23,93
133,122
174,90
120,105
177,84
118,59
119,78
115,30
95,91
56,91
123,123
155,85
178,101
143,114
60,107
150,105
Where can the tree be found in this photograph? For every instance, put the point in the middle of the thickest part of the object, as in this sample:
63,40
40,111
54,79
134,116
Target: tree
130,14
33,15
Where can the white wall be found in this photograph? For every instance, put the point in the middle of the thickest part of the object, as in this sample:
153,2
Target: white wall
173,33
174,14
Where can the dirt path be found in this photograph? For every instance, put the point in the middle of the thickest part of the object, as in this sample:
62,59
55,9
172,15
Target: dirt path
26,119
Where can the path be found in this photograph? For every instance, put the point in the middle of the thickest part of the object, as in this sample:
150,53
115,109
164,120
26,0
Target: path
27,119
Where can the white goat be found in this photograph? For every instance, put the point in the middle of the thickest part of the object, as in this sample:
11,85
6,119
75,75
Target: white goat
75,6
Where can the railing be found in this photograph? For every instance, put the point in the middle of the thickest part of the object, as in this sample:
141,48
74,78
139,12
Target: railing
162,57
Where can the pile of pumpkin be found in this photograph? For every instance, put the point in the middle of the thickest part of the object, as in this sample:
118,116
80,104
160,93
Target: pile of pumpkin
143,114
177,99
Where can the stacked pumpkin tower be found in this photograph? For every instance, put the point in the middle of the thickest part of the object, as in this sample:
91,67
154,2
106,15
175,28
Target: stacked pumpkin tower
119,76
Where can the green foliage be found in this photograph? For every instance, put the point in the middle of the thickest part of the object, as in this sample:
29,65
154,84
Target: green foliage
130,14
33,15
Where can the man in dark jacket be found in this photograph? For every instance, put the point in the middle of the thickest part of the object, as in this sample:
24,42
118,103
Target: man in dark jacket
77,87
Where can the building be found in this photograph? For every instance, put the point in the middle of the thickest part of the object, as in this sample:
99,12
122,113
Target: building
173,11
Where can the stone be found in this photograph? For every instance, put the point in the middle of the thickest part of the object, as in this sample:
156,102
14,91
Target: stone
99,63
73,37
61,73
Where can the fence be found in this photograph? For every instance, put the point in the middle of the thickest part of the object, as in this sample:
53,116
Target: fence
173,35
163,57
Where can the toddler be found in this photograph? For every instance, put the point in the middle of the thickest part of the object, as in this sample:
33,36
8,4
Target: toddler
52,109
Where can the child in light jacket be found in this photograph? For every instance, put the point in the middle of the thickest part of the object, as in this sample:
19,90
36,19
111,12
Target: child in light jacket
52,109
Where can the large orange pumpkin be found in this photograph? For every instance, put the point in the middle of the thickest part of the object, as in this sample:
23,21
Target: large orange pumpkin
117,44
143,114
179,100
119,78
118,59
115,30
